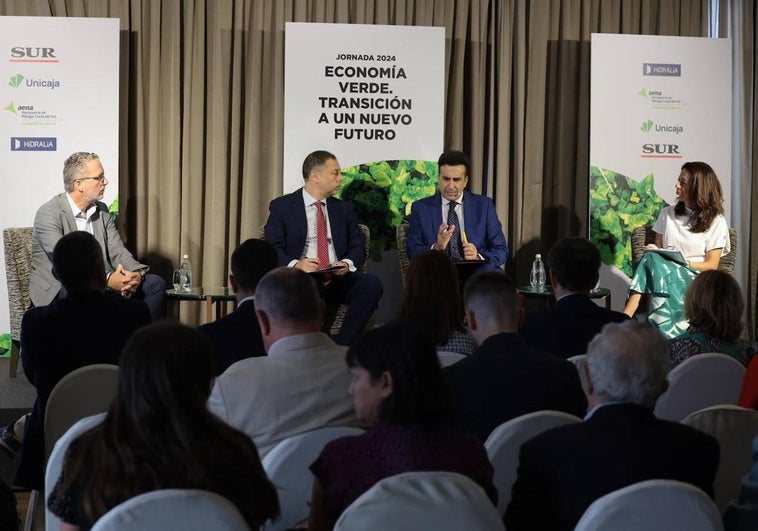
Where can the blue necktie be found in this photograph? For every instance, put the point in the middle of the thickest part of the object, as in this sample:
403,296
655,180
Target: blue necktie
454,246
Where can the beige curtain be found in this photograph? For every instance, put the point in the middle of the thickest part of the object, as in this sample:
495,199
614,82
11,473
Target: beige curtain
202,108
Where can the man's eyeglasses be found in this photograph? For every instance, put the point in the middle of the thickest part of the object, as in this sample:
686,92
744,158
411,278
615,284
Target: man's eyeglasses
99,178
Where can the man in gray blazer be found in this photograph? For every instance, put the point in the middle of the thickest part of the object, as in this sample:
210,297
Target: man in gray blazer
80,208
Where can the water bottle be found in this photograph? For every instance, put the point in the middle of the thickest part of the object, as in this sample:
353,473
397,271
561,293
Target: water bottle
185,274
537,276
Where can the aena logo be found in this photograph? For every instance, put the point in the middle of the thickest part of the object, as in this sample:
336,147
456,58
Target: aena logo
16,80
10,108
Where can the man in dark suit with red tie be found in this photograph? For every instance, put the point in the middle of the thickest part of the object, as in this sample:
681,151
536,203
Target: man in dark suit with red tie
470,230
312,230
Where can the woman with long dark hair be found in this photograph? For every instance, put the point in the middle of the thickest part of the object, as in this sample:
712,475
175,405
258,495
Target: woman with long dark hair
158,434
696,227
398,388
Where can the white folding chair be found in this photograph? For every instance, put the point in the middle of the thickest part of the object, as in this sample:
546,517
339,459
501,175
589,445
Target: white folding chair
443,501
449,358
653,505
701,381
185,509
735,428
577,360
504,443
55,462
287,467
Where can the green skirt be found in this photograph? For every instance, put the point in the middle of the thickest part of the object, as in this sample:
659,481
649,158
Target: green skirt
665,281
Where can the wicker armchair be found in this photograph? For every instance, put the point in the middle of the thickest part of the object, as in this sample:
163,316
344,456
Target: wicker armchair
335,315
18,260
644,235
401,232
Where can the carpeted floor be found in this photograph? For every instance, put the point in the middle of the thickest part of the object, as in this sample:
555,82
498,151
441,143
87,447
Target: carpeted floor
16,399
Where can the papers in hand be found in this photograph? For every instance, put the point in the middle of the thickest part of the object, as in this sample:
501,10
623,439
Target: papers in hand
670,254
330,269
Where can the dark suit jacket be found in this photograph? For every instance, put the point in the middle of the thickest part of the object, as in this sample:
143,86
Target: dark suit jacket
563,470
480,222
287,229
505,378
567,328
83,328
235,337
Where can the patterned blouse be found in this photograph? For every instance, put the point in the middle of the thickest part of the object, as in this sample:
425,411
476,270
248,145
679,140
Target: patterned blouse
695,341
460,342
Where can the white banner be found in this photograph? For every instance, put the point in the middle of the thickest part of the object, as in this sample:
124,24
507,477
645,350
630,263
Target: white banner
656,103
364,92
59,93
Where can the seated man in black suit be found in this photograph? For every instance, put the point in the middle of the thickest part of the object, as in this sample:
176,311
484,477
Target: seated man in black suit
88,326
312,230
563,470
567,327
238,336
505,377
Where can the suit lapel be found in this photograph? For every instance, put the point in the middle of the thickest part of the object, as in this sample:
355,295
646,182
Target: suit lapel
470,213
297,211
67,217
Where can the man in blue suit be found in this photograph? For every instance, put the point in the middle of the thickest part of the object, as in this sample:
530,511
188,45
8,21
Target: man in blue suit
312,230
459,222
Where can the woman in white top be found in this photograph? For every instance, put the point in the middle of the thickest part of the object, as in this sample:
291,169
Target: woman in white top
696,227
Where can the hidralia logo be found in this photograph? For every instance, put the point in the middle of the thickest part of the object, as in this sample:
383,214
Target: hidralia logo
658,69
34,143
31,54
16,80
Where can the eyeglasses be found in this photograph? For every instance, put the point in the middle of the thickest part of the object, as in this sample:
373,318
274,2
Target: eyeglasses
99,178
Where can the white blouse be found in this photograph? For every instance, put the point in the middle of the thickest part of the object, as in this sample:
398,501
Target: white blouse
693,245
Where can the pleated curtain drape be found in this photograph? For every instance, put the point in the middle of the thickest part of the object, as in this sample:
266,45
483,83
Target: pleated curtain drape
201,129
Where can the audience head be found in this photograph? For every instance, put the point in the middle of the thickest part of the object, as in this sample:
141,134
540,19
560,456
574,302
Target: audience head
74,166
287,302
432,296
714,304
78,262
396,376
165,367
454,168
8,511
250,261
626,362
574,265
491,305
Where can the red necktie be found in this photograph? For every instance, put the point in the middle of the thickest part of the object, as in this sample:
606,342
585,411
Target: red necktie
322,244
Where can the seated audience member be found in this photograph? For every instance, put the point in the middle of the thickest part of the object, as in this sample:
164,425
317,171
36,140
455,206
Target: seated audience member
563,470
302,384
742,513
568,326
505,377
713,304
313,230
458,222
749,391
398,389
8,510
158,434
238,336
88,326
80,208
432,299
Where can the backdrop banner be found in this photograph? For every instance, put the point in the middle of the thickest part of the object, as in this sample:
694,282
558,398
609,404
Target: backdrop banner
666,103
58,95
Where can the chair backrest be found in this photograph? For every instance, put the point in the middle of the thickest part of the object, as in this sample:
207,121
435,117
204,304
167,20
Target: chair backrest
700,381
287,467
735,428
401,232
185,509
55,462
449,358
83,392
643,235
653,505
422,500
17,243
504,443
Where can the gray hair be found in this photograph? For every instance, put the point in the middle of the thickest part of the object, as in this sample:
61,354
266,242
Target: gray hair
73,167
288,294
628,362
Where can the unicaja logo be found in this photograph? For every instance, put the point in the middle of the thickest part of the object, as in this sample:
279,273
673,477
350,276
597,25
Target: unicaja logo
647,126
16,80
